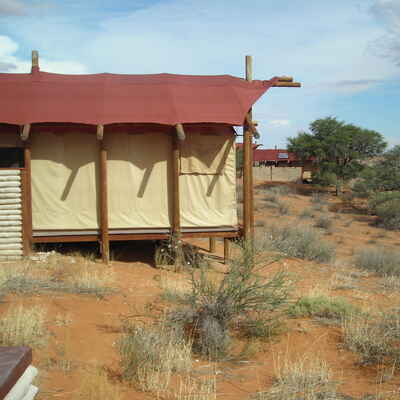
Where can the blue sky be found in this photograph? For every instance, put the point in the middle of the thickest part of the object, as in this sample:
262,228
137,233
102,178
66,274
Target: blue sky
346,53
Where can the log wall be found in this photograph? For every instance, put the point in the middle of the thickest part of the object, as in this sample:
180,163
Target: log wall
11,247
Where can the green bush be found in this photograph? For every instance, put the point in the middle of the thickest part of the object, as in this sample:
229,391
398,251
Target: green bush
382,261
321,306
299,241
306,213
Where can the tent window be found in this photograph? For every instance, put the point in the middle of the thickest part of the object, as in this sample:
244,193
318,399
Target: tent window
11,157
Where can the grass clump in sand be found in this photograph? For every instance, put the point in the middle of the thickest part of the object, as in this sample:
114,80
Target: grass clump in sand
307,379
23,326
324,221
379,260
299,241
375,339
322,307
150,355
95,385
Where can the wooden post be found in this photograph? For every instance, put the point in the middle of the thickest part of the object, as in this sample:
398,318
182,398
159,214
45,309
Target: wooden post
227,244
248,197
176,213
27,200
212,245
35,61
105,241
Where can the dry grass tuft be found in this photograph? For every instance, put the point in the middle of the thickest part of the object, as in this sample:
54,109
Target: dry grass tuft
150,355
374,339
197,389
95,385
23,326
307,379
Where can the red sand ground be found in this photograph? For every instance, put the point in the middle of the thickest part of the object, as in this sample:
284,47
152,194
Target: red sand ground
83,330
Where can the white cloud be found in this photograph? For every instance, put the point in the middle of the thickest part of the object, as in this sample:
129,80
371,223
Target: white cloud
12,7
279,122
387,13
11,63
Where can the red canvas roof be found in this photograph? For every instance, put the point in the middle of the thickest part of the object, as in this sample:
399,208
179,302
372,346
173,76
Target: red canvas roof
108,98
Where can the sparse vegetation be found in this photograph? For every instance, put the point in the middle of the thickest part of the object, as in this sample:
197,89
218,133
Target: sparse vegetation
299,241
379,260
374,339
149,355
24,280
215,306
95,385
307,213
324,221
23,326
324,307
308,379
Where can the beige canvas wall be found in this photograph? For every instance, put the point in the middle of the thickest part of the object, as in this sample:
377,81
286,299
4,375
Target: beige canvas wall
65,179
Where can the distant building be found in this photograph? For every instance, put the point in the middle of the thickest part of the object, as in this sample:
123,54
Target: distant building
283,166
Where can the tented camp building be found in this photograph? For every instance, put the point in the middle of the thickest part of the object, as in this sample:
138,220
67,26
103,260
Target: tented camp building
108,157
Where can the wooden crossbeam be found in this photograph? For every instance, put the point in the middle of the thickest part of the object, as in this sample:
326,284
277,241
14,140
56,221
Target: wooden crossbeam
285,79
287,84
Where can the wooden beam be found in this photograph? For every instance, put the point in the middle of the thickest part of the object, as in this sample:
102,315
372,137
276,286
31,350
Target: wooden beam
212,245
176,214
104,240
130,237
227,245
285,79
287,84
27,199
25,130
248,209
35,60
180,132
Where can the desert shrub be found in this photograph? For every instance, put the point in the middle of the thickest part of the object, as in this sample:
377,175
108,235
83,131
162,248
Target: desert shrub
386,206
318,198
191,388
283,207
299,241
371,339
332,308
174,290
149,355
324,221
308,379
23,326
379,260
215,306
390,283
306,213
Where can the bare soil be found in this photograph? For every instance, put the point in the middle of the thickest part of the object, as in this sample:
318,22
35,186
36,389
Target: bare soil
83,329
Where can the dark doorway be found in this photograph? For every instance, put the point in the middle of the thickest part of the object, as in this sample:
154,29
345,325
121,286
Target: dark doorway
11,157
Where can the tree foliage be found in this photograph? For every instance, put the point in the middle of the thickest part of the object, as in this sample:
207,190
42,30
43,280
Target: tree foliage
384,175
337,149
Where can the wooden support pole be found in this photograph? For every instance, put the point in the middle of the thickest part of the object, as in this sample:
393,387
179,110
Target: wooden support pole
227,244
27,200
212,245
176,213
104,240
35,60
248,209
